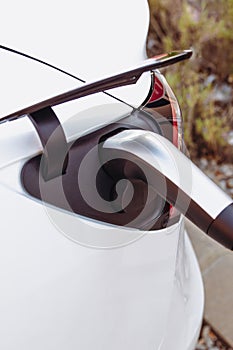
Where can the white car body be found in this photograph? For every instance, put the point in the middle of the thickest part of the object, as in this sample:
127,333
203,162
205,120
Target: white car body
130,291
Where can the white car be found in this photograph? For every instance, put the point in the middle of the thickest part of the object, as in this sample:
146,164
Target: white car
91,256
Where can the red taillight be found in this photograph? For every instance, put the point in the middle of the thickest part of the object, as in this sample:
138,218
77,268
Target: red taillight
163,106
158,90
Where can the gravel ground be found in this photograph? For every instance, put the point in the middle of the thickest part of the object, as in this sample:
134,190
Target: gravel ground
222,175
210,341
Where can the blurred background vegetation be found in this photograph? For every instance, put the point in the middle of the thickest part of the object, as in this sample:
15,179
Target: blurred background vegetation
203,85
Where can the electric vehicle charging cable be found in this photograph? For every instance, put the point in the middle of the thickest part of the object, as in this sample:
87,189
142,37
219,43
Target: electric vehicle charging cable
196,196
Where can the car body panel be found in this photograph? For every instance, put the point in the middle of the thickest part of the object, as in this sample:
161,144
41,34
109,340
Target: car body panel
58,293
69,282
87,44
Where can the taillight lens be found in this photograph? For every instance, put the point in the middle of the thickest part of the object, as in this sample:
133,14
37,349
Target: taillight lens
163,106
